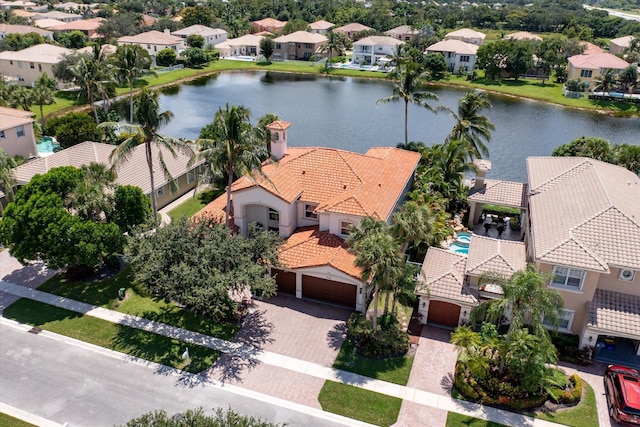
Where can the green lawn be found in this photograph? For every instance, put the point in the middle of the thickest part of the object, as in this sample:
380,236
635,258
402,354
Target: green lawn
459,420
134,342
359,404
584,414
9,421
392,369
137,302
187,209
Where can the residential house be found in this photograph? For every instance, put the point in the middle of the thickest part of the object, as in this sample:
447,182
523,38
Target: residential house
403,32
212,36
133,172
60,16
321,27
22,13
154,41
618,45
268,24
523,35
311,197
581,225
352,30
459,56
6,29
247,45
466,35
48,23
590,48
299,45
26,65
375,49
88,27
17,4
589,67
16,132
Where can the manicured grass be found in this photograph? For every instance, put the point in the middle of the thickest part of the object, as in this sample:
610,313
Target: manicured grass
392,369
459,420
359,404
137,302
134,342
584,414
187,209
8,421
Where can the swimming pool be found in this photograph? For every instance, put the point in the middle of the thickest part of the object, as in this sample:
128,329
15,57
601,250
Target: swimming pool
47,146
459,248
464,238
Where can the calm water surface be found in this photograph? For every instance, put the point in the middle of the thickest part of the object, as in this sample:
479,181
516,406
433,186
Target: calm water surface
342,113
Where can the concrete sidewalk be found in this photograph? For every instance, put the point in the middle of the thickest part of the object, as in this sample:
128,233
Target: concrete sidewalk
407,393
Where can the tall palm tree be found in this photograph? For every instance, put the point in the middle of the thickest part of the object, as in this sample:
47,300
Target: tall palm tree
408,89
42,93
629,78
150,121
90,198
262,128
335,43
20,96
606,81
7,174
131,62
472,127
92,76
235,150
413,224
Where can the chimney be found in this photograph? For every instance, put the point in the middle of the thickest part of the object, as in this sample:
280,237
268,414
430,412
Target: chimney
482,167
167,31
278,131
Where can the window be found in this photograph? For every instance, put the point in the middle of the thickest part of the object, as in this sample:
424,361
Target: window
19,64
32,65
566,277
19,131
2,135
160,191
586,74
344,227
464,58
274,215
191,176
308,46
148,46
11,62
278,46
565,319
309,211
40,67
20,78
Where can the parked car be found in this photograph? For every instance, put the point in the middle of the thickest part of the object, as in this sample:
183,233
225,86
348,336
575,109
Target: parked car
622,388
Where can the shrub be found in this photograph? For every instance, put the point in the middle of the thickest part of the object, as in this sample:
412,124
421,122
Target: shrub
388,340
570,395
166,57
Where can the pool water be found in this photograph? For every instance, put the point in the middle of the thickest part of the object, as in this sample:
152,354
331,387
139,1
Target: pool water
459,248
464,238
47,146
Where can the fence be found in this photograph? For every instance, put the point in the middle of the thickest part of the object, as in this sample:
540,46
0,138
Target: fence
167,69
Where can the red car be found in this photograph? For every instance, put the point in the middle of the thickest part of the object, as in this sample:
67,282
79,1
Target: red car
622,387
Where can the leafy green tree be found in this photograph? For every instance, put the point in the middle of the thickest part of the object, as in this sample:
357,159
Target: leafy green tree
72,129
150,121
235,148
408,89
7,174
15,41
20,96
195,56
435,64
413,224
72,39
471,127
196,417
63,70
200,264
166,57
627,156
131,208
606,81
131,62
58,237
267,47
42,93
594,148
195,40
120,24
295,25
629,78
197,15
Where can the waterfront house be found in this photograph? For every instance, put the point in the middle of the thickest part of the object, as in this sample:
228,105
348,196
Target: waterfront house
352,30
268,24
457,54
154,41
321,27
374,50
26,65
247,45
212,36
6,29
300,45
311,197
16,132
466,35
589,67
403,32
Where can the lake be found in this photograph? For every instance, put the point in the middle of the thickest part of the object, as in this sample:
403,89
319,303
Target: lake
342,113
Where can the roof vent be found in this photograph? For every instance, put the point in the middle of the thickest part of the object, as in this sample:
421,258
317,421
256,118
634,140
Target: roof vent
303,172
344,187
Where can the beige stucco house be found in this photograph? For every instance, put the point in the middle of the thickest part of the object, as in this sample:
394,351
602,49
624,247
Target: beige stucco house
16,132
403,32
589,67
6,29
88,27
466,35
56,14
311,198
154,41
212,36
457,54
618,45
26,65
321,27
268,24
247,45
581,225
351,30
298,45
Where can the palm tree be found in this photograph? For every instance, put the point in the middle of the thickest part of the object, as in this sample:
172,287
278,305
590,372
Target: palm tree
606,81
413,224
92,76
90,198
150,121
335,43
262,128
629,78
20,96
130,61
7,174
471,127
42,93
408,90
235,150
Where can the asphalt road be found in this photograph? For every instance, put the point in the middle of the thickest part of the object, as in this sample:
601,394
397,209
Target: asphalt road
67,381
628,16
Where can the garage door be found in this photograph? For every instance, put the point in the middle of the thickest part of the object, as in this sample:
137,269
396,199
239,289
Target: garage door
329,291
443,313
285,280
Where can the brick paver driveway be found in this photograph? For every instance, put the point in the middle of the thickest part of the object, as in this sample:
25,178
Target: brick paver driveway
292,327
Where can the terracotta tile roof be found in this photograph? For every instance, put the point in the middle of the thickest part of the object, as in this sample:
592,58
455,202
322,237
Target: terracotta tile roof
279,125
301,37
495,255
43,53
353,27
584,213
401,30
615,312
270,22
152,37
453,45
246,40
597,61
339,181
590,48
523,35
10,118
321,25
48,23
505,193
56,14
23,29
624,41
202,30
466,32
80,25
217,211
309,247
442,275
379,41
